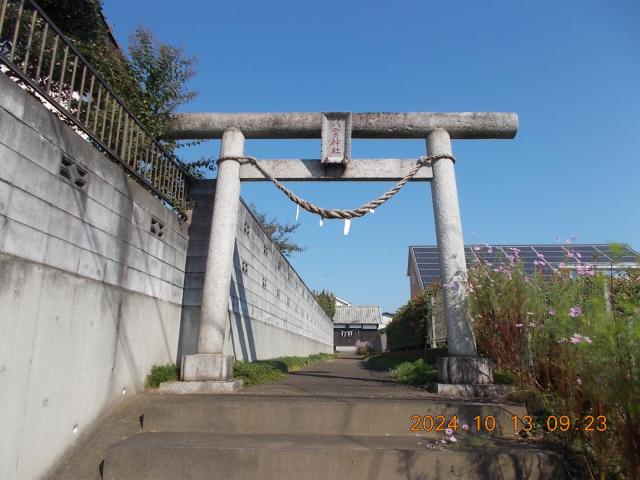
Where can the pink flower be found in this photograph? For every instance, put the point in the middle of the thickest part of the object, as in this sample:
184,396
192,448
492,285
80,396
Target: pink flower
453,439
449,431
519,325
561,265
575,311
465,427
576,338
476,248
585,270
587,339
552,311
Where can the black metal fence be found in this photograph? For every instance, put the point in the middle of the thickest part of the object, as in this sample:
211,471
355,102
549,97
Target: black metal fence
34,49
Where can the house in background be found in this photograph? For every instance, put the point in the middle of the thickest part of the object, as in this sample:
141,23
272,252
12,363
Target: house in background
355,323
386,319
341,303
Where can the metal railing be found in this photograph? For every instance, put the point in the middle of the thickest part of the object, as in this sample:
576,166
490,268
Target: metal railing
35,49
436,329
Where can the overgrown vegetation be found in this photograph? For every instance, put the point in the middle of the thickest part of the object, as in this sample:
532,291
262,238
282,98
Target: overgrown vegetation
573,339
408,329
264,371
327,301
279,233
162,373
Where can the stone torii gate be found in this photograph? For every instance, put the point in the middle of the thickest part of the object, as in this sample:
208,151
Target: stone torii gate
209,371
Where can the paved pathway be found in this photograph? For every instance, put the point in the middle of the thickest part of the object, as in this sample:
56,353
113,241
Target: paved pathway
345,376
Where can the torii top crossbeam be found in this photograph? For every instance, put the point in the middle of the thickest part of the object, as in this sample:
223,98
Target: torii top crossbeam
417,125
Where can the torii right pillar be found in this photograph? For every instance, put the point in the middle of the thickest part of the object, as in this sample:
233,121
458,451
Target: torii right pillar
462,369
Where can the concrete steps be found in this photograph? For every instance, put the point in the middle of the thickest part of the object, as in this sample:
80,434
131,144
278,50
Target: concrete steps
318,416
171,455
334,421
288,437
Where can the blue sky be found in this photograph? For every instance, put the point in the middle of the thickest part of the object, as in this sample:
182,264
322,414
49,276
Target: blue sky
570,69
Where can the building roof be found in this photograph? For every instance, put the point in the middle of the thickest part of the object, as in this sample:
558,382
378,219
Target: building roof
341,301
357,315
601,256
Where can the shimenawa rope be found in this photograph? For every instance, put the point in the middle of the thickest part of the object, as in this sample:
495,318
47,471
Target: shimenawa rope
343,214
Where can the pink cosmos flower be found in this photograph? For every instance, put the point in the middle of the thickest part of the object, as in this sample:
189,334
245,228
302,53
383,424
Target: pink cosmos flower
449,431
576,338
453,439
575,311
585,270
465,427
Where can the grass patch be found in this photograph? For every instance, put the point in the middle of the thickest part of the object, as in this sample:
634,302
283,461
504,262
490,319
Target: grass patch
504,377
383,362
162,373
264,371
417,372
412,372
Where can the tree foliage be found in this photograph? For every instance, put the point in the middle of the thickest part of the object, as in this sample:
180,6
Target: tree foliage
162,71
152,81
279,233
327,302
408,329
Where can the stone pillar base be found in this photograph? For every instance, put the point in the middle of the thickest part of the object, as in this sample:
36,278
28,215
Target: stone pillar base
460,390
465,370
227,386
203,367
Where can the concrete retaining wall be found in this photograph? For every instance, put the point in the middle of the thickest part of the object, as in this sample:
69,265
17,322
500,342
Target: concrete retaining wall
90,298
272,311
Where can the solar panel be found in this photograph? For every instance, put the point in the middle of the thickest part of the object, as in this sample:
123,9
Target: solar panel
429,269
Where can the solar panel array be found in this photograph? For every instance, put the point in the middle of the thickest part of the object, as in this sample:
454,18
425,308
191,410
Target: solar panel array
548,257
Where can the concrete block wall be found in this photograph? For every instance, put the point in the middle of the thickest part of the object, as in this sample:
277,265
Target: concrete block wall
272,311
90,299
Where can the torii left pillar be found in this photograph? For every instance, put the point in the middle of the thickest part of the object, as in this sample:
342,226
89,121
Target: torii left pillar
209,370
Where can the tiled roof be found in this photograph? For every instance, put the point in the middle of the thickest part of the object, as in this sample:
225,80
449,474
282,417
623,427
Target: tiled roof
357,315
